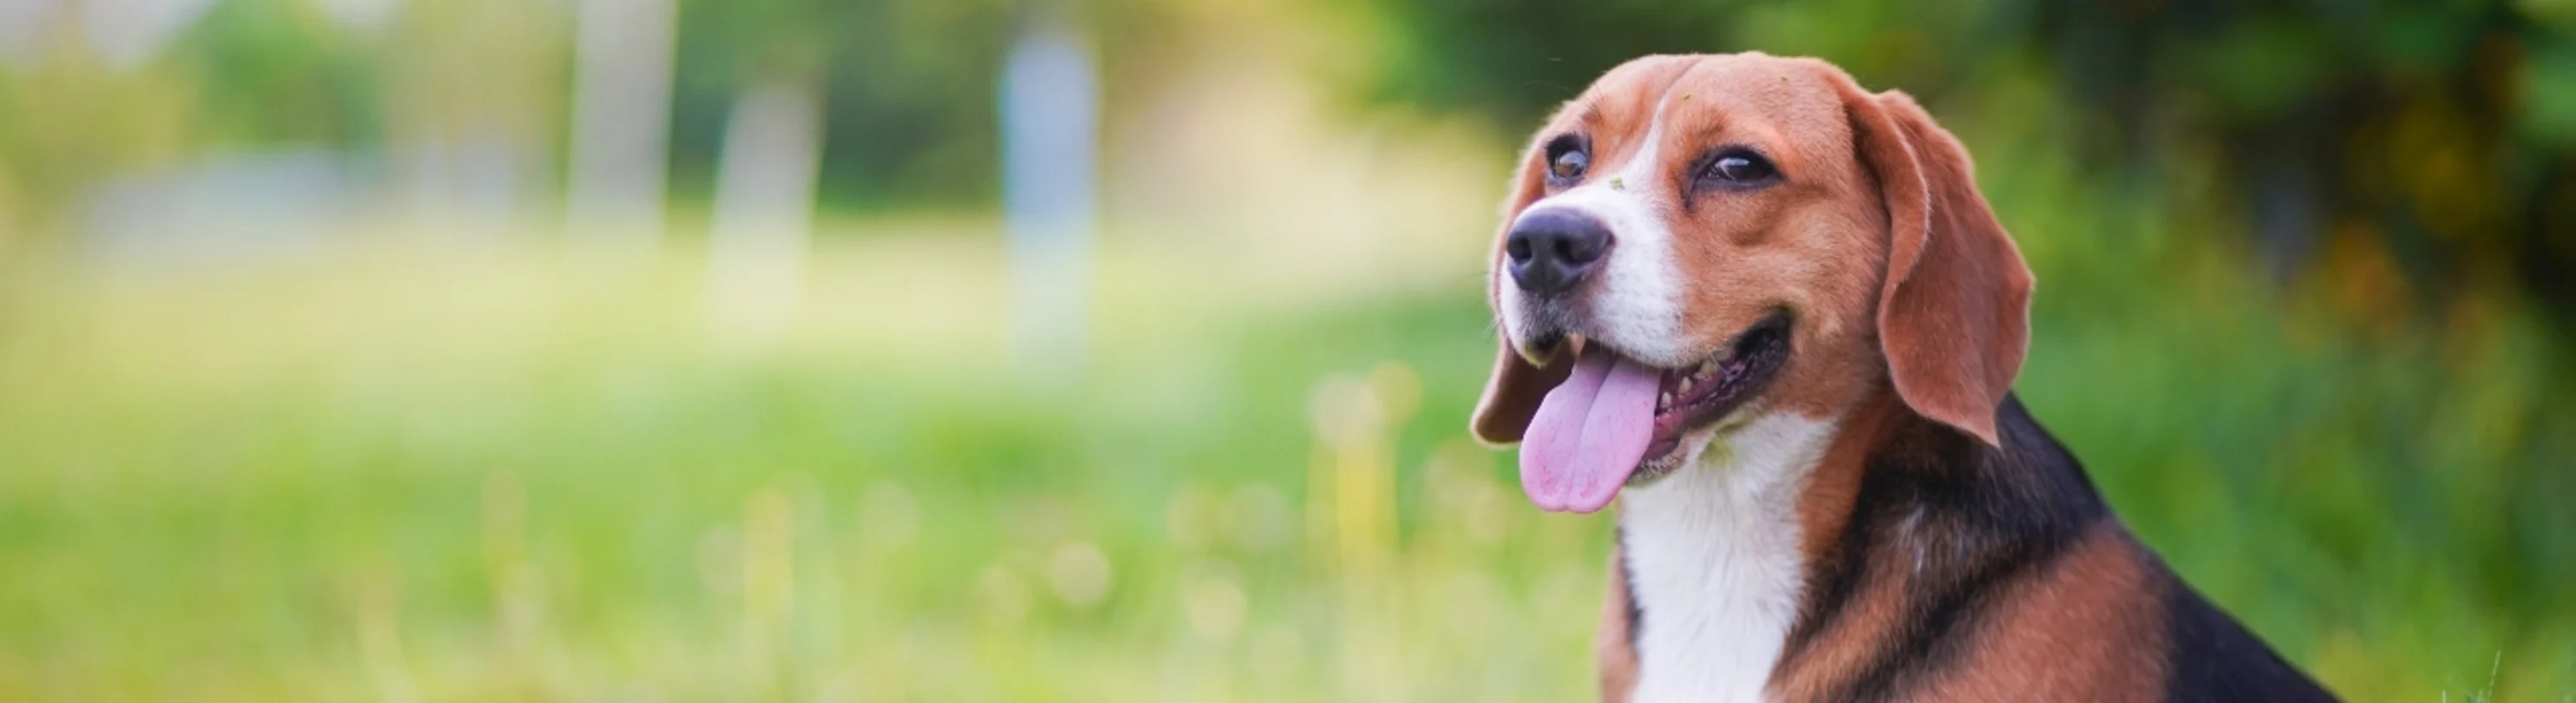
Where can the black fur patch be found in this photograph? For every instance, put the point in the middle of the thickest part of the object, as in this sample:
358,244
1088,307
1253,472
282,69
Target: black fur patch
2213,658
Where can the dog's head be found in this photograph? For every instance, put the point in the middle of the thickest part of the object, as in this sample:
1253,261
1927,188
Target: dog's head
1697,241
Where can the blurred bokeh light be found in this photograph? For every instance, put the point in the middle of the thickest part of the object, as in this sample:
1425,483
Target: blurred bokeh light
490,350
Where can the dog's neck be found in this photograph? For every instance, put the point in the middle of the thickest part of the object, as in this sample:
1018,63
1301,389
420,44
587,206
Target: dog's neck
1714,564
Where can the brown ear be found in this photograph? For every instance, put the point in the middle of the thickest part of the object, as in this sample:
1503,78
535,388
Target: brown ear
1513,394
1954,313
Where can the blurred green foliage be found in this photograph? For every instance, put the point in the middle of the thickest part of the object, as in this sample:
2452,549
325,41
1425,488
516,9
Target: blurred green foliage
274,72
909,86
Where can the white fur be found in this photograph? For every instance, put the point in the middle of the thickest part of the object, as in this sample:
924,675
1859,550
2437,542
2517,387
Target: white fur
1637,309
1713,561
1712,549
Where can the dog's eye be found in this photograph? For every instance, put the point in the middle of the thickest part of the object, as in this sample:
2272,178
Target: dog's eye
1739,167
1567,160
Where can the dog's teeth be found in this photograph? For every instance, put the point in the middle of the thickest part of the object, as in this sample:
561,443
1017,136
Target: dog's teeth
1664,399
1706,366
1684,386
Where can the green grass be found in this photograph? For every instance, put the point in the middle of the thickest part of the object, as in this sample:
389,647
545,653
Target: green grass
527,479
511,474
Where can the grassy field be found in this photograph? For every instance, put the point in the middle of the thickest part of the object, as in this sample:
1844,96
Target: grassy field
506,473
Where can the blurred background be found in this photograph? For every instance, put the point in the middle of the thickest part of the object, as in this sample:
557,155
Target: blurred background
676,350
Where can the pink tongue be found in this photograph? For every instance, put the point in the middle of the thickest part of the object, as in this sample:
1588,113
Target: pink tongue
1589,433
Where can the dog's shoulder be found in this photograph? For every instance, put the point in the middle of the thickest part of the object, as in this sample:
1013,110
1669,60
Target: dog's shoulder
1970,571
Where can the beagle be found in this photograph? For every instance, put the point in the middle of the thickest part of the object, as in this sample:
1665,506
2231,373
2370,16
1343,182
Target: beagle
1770,311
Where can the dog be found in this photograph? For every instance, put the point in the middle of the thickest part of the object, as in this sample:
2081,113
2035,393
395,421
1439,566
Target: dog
1770,312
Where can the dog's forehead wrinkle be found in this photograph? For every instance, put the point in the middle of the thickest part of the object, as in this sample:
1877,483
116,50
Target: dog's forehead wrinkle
1785,97
1648,86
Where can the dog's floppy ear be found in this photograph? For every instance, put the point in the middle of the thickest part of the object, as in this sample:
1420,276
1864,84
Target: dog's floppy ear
1954,312
1512,394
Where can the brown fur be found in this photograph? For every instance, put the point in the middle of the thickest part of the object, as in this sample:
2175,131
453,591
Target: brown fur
1824,510
2054,646
1954,314
2088,629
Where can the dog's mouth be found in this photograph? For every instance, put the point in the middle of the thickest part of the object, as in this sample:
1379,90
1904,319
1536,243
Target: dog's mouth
1617,421
1692,398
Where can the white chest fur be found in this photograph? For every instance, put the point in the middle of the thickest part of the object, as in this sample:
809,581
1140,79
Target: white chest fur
1712,554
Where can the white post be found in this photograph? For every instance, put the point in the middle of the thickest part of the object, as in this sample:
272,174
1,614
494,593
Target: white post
1049,104
621,118
764,209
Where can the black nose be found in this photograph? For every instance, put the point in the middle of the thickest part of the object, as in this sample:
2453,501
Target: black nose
1551,250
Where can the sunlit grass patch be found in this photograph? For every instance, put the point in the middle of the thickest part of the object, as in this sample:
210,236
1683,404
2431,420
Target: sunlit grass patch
526,476
517,473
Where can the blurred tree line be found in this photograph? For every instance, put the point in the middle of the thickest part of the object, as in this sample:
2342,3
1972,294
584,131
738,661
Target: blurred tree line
908,86
2443,131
